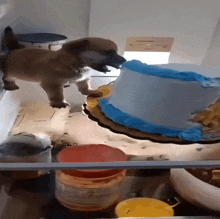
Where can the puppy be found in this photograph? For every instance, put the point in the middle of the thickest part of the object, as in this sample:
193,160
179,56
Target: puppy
53,69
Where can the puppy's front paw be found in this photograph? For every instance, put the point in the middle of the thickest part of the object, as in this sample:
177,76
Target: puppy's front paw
95,93
59,104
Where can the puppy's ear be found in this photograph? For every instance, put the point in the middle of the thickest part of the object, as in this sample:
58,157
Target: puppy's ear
76,46
10,39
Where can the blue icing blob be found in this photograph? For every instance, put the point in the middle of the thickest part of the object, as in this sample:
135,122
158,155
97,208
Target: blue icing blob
193,134
145,69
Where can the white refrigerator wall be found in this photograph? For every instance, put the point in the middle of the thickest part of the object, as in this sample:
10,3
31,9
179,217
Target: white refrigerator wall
190,22
212,56
66,17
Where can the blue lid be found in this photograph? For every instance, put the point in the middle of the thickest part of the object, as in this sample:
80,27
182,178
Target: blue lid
40,37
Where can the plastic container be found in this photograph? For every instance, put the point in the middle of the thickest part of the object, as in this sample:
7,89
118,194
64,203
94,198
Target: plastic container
25,148
89,190
42,40
143,207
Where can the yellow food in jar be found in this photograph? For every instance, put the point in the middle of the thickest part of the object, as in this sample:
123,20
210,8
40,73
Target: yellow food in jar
143,207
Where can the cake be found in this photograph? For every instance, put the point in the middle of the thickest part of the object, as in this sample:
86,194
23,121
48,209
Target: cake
162,99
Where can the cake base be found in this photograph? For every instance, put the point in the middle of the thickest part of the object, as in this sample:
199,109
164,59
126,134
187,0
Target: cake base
94,112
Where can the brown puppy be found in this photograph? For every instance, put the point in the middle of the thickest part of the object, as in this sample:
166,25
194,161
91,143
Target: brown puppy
55,68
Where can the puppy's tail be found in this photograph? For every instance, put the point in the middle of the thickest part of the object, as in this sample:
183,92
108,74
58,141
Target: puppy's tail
10,40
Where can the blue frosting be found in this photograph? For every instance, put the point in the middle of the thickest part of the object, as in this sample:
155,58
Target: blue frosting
193,134
145,69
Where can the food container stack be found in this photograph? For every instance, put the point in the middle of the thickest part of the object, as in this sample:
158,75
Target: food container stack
94,189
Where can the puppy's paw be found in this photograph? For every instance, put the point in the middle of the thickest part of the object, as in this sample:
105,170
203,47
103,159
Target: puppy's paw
95,93
11,87
59,104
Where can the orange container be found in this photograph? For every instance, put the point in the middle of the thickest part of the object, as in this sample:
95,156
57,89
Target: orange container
89,190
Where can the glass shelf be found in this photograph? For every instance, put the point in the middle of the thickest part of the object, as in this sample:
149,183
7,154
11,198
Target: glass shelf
111,165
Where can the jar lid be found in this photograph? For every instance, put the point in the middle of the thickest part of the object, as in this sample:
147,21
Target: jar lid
91,153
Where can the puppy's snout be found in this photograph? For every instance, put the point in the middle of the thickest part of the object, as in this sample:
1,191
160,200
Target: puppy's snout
121,59
116,61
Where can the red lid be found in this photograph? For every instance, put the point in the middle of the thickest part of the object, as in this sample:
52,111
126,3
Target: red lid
91,153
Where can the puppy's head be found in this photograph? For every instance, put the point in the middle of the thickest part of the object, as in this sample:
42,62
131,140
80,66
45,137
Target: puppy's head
96,53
